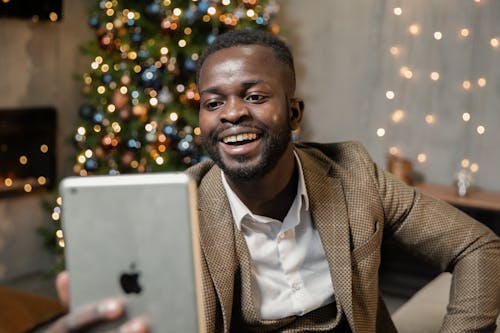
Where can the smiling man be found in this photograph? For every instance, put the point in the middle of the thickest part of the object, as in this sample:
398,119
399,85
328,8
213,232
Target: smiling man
291,233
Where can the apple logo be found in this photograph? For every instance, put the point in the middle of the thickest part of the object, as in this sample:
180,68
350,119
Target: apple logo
129,280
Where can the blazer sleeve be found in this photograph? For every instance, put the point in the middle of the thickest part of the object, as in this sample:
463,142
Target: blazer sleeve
451,239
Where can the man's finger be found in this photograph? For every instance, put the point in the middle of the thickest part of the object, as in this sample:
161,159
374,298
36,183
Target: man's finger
62,286
106,310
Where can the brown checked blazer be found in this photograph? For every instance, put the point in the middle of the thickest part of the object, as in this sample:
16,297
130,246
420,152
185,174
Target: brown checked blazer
354,206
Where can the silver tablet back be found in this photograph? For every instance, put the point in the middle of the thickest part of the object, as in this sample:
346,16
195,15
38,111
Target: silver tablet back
135,236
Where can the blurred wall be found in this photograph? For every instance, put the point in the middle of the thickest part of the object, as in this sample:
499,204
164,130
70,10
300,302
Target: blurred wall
38,62
345,68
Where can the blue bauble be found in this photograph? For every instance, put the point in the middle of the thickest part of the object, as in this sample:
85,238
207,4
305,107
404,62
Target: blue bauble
94,22
170,131
91,164
203,6
211,38
190,65
143,54
136,37
185,147
261,20
151,78
87,111
107,78
98,117
190,16
153,9
133,144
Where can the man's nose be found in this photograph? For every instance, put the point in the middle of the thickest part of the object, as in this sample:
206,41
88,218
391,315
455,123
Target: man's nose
235,111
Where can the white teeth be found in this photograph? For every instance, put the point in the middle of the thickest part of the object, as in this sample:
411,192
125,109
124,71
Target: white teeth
239,137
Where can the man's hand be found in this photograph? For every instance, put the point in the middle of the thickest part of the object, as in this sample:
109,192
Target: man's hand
91,315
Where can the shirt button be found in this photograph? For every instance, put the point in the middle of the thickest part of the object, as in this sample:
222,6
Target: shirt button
281,236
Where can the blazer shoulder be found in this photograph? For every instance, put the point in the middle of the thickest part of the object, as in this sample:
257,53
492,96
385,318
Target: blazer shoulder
346,153
199,170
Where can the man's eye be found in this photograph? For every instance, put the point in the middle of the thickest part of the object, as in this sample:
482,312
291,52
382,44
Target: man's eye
256,98
212,105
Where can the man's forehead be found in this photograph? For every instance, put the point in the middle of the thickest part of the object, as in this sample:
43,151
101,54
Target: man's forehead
239,52
236,60
255,61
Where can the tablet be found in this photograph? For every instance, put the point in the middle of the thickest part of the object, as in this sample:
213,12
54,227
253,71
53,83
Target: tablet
135,236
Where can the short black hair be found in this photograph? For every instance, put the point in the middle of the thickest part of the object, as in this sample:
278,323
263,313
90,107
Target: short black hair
240,37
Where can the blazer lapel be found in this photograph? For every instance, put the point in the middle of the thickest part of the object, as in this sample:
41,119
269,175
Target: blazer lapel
329,213
217,239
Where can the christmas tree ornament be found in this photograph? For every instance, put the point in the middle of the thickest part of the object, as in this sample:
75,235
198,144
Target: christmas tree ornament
151,78
190,65
140,111
98,117
106,78
119,100
203,6
87,111
133,144
94,22
125,113
91,164
127,158
170,131
125,79
165,96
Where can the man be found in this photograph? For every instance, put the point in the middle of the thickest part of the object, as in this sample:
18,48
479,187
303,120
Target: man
291,233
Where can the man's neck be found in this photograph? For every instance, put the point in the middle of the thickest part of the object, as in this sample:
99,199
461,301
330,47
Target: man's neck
273,194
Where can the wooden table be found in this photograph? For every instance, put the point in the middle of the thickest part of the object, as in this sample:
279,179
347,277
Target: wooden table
477,199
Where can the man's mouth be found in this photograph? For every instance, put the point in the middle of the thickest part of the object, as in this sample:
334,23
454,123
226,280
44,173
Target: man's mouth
239,138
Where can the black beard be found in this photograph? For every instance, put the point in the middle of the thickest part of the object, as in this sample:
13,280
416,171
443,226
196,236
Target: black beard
275,144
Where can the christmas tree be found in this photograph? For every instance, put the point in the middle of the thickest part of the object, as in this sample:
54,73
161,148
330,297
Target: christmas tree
141,107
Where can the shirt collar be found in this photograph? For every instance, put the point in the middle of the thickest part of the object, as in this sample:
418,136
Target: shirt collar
240,210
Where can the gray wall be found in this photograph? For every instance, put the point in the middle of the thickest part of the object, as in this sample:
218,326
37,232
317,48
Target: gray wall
344,69
38,62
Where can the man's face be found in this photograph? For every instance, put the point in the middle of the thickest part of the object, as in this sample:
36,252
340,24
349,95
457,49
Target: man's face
244,110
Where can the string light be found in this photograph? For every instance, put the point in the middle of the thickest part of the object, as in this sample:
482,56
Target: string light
474,167
422,158
494,42
211,11
174,116
394,50
397,116
394,151
389,94
434,76
465,163
397,11
414,29
480,129
406,72
481,82
380,132
438,35
430,119
464,33
466,116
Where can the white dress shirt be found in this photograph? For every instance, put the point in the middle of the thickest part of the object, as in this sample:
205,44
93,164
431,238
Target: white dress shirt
289,269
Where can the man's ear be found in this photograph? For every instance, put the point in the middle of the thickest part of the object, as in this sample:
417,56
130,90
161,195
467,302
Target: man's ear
296,110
